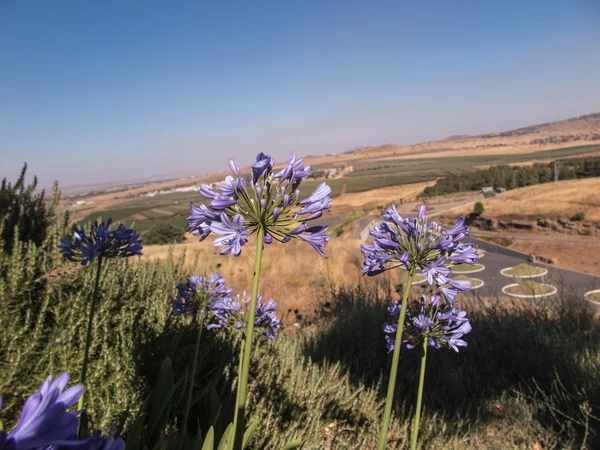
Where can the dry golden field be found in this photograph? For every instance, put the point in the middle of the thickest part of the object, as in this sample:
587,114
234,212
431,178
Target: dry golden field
381,196
561,199
293,274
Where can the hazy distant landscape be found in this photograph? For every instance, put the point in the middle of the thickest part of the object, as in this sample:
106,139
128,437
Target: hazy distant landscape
300,225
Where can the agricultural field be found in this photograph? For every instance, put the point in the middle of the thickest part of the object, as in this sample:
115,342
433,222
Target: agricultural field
379,180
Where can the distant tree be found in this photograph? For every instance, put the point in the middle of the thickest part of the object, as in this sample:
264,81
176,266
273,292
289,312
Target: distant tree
478,209
578,217
25,214
164,233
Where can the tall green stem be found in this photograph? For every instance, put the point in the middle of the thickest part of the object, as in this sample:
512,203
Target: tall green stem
88,338
243,380
237,394
188,402
389,400
415,432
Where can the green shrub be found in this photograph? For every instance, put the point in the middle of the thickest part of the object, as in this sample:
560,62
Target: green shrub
578,217
164,233
478,209
24,212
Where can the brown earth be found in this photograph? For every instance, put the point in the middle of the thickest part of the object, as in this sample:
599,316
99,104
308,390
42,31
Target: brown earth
583,257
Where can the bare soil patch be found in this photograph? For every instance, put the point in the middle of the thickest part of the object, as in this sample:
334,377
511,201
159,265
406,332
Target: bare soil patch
584,257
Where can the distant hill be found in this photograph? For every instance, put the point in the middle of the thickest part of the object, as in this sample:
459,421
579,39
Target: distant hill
576,131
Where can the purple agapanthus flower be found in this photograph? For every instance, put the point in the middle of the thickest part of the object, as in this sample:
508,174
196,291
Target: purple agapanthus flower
420,244
96,442
431,318
198,292
100,242
269,201
231,312
45,421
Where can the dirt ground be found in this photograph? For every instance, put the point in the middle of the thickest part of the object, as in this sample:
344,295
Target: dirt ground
582,257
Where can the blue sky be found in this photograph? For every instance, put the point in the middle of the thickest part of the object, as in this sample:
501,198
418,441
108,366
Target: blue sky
103,91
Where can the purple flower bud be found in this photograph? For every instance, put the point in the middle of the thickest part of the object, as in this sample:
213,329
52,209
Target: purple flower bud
234,168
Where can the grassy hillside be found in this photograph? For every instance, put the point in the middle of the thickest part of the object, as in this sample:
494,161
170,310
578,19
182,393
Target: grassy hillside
561,199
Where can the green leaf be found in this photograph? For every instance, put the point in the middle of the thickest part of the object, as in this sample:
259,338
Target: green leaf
215,407
227,438
161,396
249,432
209,440
135,434
292,444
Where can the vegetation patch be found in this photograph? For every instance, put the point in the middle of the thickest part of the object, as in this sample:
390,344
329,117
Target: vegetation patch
529,288
593,296
524,271
513,177
467,268
498,240
164,233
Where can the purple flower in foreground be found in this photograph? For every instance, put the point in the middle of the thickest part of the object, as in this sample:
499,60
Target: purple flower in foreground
100,242
197,292
96,442
231,312
431,318
44,420
419,244
269,202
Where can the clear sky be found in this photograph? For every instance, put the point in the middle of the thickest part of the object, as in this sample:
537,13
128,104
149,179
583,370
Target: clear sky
101,91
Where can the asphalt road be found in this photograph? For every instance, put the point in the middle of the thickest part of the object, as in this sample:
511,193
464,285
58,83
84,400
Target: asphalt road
563,279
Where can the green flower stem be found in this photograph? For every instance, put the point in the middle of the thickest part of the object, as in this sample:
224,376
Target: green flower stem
237,395
389,400
88,339
188,402
243,381
415,431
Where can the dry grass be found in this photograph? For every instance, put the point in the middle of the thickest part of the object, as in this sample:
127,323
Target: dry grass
293,274
562,199
382,196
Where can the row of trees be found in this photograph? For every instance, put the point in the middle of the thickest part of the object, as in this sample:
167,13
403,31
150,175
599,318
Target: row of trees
512,177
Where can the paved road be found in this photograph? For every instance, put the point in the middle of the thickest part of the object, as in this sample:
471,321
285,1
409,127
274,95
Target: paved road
494,281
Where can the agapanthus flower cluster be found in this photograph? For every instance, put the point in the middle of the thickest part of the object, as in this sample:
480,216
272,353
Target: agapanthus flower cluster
45,423
198,292
420,244
230,312
268,201
431,318
100,242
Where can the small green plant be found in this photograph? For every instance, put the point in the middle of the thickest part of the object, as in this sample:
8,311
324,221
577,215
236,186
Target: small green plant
578,217
478,209
164,233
